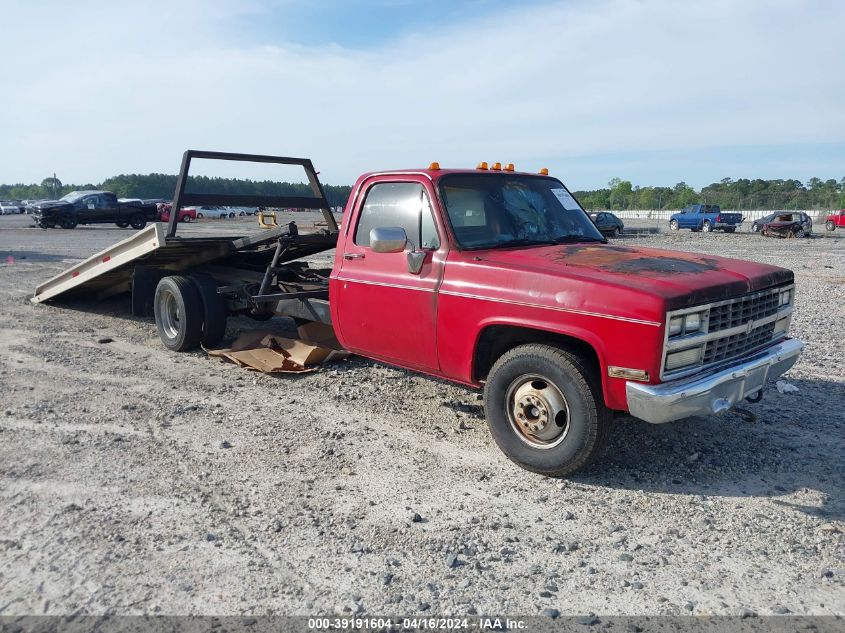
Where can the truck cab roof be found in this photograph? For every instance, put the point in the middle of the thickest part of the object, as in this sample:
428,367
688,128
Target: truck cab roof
434,173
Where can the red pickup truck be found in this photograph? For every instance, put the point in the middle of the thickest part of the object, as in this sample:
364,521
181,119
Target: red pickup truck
835,220
495,279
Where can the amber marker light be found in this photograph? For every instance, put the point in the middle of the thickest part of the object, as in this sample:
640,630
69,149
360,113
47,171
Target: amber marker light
509,167
482,165
496,167
434,166
544,171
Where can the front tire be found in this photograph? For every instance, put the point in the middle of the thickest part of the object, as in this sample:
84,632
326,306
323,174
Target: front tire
830,226
544,409
673,225
178,313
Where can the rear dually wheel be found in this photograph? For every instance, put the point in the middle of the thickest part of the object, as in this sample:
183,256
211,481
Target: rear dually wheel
178,312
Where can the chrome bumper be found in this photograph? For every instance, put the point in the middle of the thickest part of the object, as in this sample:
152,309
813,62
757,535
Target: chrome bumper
712,393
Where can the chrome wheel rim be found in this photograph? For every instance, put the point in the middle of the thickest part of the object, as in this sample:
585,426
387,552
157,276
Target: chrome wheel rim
170,315
537,411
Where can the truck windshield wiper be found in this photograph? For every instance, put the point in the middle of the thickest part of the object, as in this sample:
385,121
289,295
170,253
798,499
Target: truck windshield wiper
569,239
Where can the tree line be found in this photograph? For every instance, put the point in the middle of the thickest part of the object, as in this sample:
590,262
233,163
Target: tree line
147,186
741,194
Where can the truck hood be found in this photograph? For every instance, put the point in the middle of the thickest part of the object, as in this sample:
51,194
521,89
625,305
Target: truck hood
51,204
680,279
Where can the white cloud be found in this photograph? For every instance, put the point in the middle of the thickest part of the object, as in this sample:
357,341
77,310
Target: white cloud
101,88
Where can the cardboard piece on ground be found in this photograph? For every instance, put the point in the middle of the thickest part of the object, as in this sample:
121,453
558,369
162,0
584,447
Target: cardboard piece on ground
269,353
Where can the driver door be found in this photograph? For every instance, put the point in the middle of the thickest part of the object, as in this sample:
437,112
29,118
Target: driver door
383,310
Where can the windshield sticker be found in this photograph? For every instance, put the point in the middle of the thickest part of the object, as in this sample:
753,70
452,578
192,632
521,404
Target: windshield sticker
566,199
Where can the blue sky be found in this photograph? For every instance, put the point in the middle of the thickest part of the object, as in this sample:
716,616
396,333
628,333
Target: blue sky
654,91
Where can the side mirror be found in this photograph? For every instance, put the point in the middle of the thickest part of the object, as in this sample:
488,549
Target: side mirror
388,239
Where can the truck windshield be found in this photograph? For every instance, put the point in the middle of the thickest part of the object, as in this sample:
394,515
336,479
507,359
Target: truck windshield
73,196
501,209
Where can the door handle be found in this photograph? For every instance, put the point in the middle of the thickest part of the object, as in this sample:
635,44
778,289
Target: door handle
353,256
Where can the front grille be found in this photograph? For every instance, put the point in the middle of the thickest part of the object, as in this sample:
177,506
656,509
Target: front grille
727,327
738,344
744,309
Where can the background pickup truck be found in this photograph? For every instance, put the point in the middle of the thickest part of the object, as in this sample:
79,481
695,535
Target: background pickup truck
835,220
491,278
92,207
705,217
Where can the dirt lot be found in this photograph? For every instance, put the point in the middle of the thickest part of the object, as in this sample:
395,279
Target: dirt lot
118,495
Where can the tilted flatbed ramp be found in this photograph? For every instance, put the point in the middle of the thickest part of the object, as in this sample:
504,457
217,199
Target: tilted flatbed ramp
110,270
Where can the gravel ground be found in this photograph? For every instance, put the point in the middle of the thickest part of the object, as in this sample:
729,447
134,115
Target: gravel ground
135,480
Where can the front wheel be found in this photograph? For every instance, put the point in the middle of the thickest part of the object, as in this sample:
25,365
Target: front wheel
706,227
200,216
829,225
800,233
137,221
544,409
673,225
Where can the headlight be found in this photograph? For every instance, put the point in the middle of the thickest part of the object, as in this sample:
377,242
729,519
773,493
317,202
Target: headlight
676,326
692,322
785,298
682,359
686,324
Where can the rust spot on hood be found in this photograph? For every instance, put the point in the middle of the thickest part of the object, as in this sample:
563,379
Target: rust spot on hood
621,259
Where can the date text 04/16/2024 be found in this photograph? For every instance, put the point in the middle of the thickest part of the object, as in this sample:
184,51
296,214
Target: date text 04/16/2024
415,624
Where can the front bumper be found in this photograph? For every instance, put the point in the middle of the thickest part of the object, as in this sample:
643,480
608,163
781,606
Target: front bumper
715,392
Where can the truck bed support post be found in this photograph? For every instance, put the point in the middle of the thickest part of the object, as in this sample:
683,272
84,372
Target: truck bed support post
177,196
271,269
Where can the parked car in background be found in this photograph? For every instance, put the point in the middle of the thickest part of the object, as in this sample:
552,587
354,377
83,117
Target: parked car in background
29,205
215,212
607,223
790,224
9,208
92,207
186,214
705,217
757,224
835,220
